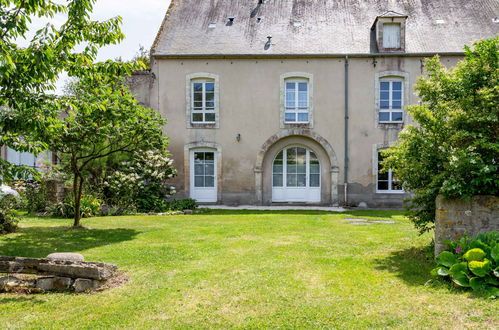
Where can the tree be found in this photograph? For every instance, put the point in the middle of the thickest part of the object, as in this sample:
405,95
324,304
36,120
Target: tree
28,73
453,150
101,118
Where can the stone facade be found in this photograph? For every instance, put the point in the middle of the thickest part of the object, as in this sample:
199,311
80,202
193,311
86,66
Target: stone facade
456,217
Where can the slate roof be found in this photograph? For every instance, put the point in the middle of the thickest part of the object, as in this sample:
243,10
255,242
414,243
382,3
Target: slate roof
327,26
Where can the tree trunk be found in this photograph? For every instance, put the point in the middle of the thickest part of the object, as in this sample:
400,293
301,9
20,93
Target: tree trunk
76,197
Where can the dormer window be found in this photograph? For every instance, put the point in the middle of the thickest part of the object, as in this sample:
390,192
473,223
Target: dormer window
389,32
391,35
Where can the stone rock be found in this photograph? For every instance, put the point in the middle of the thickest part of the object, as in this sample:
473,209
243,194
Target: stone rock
83,284
62,283
383,221
362,205
45,283
361,223
355,220
65,256
9,281
187,211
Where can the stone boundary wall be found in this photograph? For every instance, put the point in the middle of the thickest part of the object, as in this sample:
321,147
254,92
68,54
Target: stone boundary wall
455,217
53,274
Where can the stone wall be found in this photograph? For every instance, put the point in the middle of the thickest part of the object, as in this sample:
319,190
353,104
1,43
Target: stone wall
57,272
455,217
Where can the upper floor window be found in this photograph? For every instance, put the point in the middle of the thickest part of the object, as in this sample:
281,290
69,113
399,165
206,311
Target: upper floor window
297,101
387,181
391,35
203,101
391,102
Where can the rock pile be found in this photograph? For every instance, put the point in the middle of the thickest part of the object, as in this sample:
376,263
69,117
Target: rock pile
56,272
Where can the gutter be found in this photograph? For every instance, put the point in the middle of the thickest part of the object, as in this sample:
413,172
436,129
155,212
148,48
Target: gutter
315,55
346,159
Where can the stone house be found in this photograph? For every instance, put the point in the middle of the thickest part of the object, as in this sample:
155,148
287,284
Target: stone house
290,101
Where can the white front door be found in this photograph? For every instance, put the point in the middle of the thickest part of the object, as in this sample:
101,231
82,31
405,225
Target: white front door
296,176
203,168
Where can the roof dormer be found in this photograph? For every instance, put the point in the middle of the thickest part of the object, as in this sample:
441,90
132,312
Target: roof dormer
389,30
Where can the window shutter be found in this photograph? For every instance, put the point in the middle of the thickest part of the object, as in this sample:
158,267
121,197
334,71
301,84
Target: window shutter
391,35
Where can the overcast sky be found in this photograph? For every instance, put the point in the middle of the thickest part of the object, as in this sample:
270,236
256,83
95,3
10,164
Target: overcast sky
141,20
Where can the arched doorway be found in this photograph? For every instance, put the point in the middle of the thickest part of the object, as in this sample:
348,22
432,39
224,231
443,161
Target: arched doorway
296,176
309,140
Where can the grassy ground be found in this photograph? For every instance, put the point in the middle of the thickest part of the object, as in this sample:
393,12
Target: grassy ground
246,269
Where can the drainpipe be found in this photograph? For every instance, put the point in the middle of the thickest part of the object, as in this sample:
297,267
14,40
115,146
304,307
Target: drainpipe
345,170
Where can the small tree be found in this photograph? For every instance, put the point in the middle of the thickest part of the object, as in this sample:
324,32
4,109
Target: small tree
28,72
454,149
100,118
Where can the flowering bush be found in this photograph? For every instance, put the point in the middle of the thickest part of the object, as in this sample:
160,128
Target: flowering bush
141,182
472,263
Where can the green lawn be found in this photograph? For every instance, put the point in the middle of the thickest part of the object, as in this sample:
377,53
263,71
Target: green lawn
247,269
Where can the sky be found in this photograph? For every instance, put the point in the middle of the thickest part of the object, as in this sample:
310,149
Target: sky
141,22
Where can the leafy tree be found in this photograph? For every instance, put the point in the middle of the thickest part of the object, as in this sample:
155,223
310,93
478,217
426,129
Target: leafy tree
101,118
453,150
28,73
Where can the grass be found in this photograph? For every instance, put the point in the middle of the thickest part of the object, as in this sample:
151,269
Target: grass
246,269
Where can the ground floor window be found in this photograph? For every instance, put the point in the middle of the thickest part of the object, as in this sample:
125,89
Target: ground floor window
387,181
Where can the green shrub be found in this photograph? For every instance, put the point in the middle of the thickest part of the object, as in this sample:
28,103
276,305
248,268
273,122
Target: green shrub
182,204
472,262
8,219
90,206
35,195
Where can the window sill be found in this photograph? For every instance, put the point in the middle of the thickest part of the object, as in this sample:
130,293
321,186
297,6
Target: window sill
203,125
391,192
296,125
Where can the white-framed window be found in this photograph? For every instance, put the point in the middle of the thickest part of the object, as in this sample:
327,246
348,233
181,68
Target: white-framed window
297,101
391,35
203,101
296,167
386,181
391,100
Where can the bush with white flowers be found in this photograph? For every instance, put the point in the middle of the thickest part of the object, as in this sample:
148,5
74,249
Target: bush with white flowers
141,182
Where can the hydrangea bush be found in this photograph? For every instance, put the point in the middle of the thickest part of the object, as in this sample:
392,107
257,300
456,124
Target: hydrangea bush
141,182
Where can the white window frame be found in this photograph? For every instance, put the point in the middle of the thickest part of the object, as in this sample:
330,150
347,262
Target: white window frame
297,77
404,77
189,100
307,168
390,109
390,179
296,110
204,109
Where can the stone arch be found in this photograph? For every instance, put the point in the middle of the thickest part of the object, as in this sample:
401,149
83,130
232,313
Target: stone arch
298,132
187,164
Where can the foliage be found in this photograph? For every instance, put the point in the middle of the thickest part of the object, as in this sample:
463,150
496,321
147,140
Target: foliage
182,204
101,118
34,194
90,206
28,72
143,56
141,181
472,263
454,146
8,218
